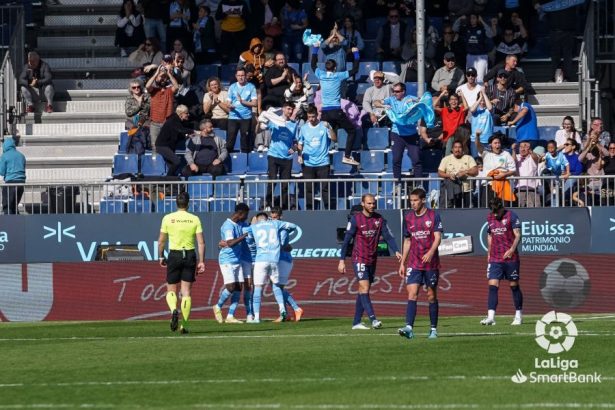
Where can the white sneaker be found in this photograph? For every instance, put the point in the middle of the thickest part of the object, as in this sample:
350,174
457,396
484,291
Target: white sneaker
249,318
232,319
253,321
487,322
517,321
376,324
123,52
260,148
265,149
218,313
350,161
360,326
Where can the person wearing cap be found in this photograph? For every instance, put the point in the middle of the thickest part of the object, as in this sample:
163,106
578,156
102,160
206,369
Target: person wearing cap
525,121
515,80
470,89
502,97
447,76
372,103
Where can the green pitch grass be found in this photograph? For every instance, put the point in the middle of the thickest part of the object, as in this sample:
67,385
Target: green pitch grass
314,364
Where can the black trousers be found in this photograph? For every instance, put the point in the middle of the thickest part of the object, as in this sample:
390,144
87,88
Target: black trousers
562,46
171,158
11,196
278,168
214,170
242,126
321,172
338,119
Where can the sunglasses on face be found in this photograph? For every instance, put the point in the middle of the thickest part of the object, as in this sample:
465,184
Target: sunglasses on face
567,145
470,75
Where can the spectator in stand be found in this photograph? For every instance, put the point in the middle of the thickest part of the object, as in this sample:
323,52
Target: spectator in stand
515,80
509,44
568,131
464,134
321,18
470,89
354,10
562,25
299,93
242,99
215,104
13,170
391,37
181,73
334,47
481,121
597,126
591,157
556,164
294,22
526,122
476,34
451,43
178,49
456,190
173,131
331,82
459,8
527,166
502,98
497,164
375,95
162,87
409,66
129,34
179,28
254,55
205,152
147,54
314,140
608,166
137,105
204,37
576,166
155,12
277,79
233,15
352,35
448,76
269,52
35,80
264,17
453,115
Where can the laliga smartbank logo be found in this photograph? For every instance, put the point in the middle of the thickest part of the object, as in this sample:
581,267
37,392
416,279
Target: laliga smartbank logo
556,333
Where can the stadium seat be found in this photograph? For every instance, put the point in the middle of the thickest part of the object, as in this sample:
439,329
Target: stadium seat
342,137
203,72
222,205
228,188
125,164
201,190
391,67
227,73
111,206
340,188
364,68
377,138
255,186
199,205
387,187
339,168
385,203
306,68
220,133
257,163
365,187
406,163
502,129
123,143
360,92
372,25
371,50
412,88
164,206
238,163
139,206
372,161
295,66
547,132
153,166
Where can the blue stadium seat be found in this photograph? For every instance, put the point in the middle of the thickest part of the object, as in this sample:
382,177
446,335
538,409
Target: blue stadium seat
502,129
365,187
222,205
412,88
203,72
164,206
306,68
199,205
153,166
255,204
257,163
198,190
238,163
181,146
124,142
547,132
339,168
406,163
387,187
227,73
229,188
385,203
220,133
377,138
112,206
125,164
391,67
371,50
255,186
295,66
372,161
372,25
364,68
342,137
139,206
361,89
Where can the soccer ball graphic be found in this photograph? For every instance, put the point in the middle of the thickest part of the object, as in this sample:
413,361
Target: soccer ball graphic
564,283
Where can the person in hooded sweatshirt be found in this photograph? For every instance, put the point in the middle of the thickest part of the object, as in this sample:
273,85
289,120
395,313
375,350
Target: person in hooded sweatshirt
256,57
13,170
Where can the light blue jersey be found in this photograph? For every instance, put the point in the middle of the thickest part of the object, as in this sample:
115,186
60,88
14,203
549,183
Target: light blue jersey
482,120
316,142
282,139
399,107
556,164
230,255
284,240
248,249
266,235
331,87
238,110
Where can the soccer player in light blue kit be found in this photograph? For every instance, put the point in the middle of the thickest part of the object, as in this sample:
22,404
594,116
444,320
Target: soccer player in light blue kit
229,259
285,266
248,253
266,235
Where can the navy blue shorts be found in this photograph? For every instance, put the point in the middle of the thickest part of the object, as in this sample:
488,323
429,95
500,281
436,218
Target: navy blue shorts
427,278
364,272
503,270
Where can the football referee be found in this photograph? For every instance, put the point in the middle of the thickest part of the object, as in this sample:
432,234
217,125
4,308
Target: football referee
180,228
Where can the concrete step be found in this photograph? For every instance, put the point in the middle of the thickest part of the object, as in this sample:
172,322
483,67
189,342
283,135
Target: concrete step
87,95
49,43
109,106
90,84
80,52
89,63
73,140
78,152
82,20
82,117
72,31
70,162
70,174
556,88
554,99
546,109
82,3
71,129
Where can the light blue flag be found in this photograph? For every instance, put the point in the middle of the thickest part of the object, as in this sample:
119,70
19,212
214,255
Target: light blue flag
414,112
557,5
310,39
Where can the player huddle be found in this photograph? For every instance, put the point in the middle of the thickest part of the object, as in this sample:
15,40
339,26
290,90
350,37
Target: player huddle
251,254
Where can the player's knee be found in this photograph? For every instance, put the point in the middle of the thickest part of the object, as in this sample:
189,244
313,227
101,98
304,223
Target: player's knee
230,287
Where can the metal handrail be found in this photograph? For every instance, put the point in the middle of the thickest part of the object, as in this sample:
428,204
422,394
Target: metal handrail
11,65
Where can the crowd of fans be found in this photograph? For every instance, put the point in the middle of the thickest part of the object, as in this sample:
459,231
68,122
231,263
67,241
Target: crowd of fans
471,69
